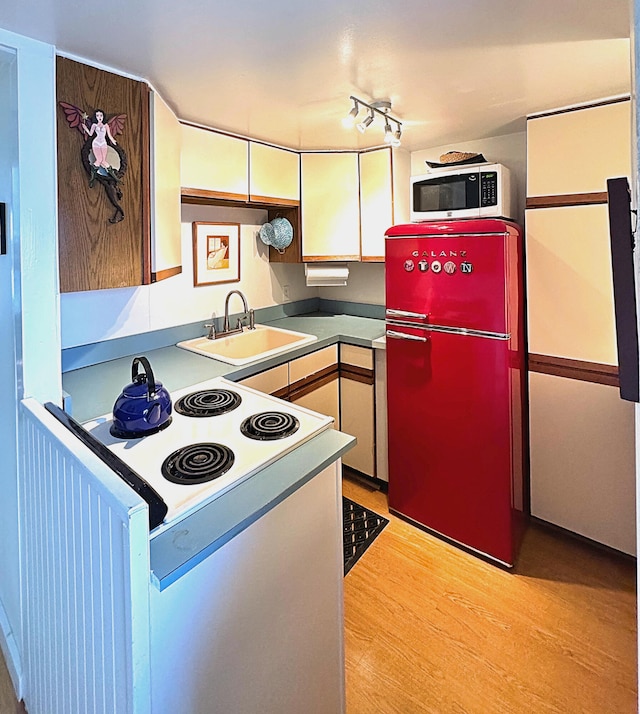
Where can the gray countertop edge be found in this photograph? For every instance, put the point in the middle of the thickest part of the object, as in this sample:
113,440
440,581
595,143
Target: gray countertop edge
180,548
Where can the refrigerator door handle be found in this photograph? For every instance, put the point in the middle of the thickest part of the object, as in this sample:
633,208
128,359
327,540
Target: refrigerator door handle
405,313
403,336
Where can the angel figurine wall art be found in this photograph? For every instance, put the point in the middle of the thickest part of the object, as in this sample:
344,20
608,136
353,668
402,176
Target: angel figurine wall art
102,157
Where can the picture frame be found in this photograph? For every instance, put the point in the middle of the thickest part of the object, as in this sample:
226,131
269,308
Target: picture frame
216,253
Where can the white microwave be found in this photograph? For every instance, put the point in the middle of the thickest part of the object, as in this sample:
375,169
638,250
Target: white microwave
474,191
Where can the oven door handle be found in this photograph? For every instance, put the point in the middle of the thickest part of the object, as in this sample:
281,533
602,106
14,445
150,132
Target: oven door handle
404,336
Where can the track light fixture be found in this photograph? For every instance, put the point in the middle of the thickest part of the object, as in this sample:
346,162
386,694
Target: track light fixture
382,108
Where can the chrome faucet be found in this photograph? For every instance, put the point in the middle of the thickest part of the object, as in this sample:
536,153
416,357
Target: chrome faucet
247,313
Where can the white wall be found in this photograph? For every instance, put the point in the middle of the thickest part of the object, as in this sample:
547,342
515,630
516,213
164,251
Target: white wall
98,315
9,563
29,325
365,284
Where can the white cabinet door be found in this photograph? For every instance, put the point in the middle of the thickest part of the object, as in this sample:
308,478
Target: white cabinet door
569,289
273,174
357,406
166,136
376,201
583,459
330,206
576,151
213,162
324,400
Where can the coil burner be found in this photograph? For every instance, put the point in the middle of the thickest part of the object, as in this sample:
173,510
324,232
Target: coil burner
197,463
268,426
208,402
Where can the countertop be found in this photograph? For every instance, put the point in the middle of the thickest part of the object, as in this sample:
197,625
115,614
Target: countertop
93,390
175,551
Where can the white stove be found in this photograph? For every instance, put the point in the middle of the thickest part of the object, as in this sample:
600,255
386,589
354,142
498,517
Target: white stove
198,458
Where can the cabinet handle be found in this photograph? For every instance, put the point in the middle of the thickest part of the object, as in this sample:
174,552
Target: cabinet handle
403,336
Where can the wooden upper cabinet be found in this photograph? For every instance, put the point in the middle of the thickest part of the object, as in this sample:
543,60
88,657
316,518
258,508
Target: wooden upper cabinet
274,174
330,206
103,199
214,165
165,191
575,151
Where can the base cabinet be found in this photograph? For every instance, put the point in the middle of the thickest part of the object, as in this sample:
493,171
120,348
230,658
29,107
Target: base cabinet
258,625
357,406
583,459
324,399
339,384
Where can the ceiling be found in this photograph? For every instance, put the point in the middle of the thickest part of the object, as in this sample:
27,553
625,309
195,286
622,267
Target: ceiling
455,70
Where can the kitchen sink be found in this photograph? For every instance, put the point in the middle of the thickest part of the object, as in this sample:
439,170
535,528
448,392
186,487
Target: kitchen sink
248,345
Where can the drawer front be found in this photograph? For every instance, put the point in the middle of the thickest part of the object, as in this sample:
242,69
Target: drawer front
312,363
272,381
324,400
356,356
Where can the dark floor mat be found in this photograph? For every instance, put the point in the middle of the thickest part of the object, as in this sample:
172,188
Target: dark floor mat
360,528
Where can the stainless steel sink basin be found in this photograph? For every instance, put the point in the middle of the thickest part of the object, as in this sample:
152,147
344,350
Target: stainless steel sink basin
248,345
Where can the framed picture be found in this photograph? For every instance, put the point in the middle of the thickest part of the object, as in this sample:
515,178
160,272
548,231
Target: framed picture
216,253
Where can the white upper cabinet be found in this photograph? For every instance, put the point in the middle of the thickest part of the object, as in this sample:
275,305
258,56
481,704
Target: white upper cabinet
274,174
384,197
330,206
214,163
376,201
165,190
575,152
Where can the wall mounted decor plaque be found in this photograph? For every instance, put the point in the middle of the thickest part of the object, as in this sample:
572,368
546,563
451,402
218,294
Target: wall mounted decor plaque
104,202
103,159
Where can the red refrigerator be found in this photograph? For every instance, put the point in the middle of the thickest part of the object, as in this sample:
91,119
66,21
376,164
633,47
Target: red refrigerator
456,381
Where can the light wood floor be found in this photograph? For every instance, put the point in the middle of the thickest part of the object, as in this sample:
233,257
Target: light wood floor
432,629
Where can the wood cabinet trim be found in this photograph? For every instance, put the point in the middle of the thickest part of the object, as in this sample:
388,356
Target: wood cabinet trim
313,381
164,274
592,105
372,259
327,258
574,369
357,374
145,93
206,195
273,201
569,199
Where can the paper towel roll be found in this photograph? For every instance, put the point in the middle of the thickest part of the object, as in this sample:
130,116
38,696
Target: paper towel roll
318,274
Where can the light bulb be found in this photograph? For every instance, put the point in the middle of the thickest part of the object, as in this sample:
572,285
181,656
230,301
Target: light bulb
388,133
362,126
350,119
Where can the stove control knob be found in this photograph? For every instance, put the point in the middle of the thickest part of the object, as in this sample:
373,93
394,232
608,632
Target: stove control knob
423,265
436,266
450,267
409,265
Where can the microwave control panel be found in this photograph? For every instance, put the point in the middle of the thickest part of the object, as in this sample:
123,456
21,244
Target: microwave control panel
488,188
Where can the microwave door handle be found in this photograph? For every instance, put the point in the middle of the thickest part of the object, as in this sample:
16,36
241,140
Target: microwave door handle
405,313
403,336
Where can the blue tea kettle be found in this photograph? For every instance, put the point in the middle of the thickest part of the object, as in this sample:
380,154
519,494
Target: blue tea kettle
143,407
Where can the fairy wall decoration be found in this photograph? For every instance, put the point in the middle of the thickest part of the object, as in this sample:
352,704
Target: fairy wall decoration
104,160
